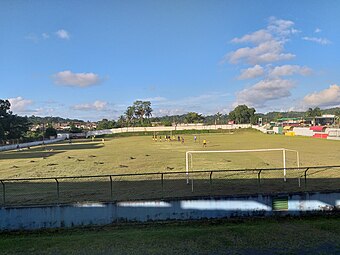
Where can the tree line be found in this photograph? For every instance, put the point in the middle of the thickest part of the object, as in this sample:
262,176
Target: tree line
17,128
139,114
132,117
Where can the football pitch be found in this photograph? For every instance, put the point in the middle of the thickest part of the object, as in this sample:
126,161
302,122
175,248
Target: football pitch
141,154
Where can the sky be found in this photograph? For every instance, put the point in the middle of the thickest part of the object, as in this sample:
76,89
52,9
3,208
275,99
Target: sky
92,59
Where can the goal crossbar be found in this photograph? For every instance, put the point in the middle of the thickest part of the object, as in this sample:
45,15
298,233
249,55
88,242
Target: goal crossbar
188,157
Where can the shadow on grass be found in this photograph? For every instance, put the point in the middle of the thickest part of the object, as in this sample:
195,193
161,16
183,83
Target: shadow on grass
47,151
101,189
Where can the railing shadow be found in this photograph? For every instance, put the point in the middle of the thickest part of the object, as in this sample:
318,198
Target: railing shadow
48,150
162,186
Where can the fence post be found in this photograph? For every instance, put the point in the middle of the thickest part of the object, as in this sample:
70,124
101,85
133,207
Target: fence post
162,183
3,193
284,165
58,195
306,176
259,177
192,183
111,188
210,182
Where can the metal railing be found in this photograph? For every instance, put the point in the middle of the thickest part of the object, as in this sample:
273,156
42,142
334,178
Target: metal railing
163,185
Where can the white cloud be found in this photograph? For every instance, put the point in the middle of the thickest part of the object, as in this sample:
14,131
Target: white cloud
95,106
251,72
269,51
168,111
281,27
45,35
32,37
317,30
269,44
256,37
192,102
154,99
325,98
286,70
68,78
37,37
63,34
263,91
22,106
319,40
19,104
205,103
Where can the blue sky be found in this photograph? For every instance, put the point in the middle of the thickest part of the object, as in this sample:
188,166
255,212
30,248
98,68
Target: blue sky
92,59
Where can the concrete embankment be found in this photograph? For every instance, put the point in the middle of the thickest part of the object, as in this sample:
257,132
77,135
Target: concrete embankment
87,214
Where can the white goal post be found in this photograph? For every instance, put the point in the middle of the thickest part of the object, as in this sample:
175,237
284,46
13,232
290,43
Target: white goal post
188,157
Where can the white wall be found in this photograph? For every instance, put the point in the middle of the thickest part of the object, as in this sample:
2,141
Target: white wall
303,131
25,145
333,133
172,128
262,128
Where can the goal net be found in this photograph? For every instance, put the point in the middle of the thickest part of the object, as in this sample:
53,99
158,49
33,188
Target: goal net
242,159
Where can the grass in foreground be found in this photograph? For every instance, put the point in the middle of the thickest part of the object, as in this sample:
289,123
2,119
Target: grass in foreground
316,235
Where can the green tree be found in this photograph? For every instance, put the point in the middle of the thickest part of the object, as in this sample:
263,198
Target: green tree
313,112
337,113
11,126
50,131
142,109
242,114
5,106
254,119
105,124
139,110
2,132
193,117
218,117
4,113
130,115
121,121
147,108
34,135
74,129
17,127
278,116
166,123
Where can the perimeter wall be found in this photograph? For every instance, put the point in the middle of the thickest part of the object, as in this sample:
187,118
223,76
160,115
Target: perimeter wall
87,214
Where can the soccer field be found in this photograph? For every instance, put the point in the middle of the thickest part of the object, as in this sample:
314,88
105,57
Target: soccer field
140,154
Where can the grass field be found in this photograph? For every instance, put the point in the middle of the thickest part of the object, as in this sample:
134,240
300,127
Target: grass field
140,154
317,235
